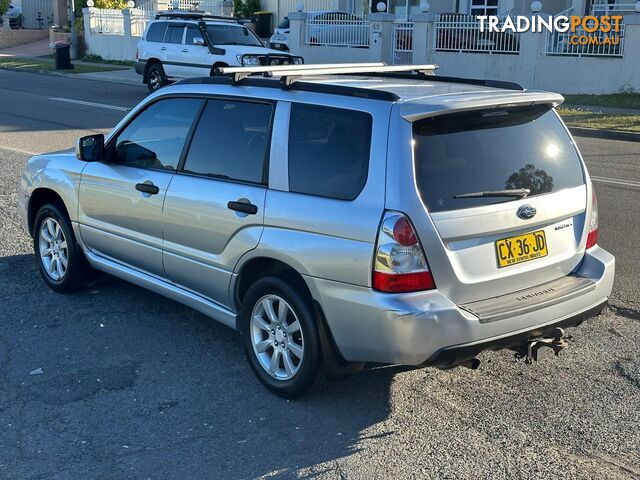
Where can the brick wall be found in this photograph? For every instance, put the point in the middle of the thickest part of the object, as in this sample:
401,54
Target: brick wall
11,38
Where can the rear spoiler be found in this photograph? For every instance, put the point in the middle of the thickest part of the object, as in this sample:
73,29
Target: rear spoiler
416,111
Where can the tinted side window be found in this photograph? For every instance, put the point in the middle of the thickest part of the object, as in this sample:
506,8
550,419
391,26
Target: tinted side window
156,32
328,151
174,34
156,137
231,141
191,33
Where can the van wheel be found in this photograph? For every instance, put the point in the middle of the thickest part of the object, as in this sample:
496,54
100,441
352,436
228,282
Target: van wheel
156,78
280,337
61,262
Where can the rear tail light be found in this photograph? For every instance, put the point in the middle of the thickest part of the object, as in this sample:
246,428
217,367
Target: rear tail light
592,236
400,265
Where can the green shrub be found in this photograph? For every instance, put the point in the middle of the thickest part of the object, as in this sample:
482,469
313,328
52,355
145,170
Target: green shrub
4,6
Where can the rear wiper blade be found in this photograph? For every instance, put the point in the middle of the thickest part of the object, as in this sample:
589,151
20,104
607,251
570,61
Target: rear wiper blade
516,192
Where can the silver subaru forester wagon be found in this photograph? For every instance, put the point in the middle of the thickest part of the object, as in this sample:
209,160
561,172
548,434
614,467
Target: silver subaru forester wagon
336,219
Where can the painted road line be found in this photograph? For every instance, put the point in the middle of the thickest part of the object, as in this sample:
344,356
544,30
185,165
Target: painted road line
616,181
90,104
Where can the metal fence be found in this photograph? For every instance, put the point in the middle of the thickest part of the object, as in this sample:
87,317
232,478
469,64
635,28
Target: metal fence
403,43
461,33
338,30
109,21
583,44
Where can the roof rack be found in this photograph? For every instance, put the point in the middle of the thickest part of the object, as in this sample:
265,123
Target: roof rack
290,73
192,15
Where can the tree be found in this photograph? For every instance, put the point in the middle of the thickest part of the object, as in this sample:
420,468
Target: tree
4,6
115,4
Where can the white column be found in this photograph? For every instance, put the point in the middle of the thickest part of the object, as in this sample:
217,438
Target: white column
297,29
381,42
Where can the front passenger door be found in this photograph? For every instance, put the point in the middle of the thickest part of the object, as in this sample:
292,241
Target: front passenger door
120,200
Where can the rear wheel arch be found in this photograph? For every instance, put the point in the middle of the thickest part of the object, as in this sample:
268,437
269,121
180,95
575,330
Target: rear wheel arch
39,198
336,366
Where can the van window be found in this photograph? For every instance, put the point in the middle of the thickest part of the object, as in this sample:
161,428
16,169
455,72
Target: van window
489,150
156,32
231,141
328,151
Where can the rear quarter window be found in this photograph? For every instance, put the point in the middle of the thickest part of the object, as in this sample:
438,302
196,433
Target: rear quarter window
489,150
329,151
156,32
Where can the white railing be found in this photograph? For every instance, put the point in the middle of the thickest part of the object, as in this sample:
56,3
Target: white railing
139,21
461,33
107,21
583,44
210,6
403,43
601,7
338,30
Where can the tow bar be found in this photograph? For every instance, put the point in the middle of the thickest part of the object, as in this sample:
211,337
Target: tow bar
534,350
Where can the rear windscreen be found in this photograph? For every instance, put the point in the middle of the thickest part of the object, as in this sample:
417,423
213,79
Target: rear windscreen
492,150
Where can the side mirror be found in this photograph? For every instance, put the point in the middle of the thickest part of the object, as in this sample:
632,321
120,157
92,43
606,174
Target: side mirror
198,41
90,148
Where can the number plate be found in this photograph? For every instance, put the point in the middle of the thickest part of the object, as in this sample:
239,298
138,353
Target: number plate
513,250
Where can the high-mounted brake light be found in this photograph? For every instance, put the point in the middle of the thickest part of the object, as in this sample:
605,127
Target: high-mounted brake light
400,265
592,236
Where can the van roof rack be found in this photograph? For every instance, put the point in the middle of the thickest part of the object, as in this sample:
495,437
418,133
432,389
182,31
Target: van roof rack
290,73
192,15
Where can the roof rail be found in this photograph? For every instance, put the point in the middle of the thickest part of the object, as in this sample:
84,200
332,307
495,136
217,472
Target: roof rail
503,84
290,73
192,15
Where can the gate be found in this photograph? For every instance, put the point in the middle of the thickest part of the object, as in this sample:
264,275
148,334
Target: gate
402,43
37,14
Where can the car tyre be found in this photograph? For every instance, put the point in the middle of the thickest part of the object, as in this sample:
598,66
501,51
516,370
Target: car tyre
156,78
61,261
282,343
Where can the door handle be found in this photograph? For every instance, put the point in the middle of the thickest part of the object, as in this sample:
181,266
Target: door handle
185,50
243,207
163,48
149,188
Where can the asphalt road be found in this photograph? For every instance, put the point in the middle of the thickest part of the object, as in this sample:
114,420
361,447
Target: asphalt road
137,386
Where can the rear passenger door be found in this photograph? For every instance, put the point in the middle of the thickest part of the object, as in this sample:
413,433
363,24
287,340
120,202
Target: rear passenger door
214,208
172,55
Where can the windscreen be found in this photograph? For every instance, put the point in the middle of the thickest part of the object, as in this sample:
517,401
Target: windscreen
231,35
504,148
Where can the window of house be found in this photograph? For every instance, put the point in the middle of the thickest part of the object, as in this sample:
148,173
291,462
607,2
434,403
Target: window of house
484,7
329,151
231,141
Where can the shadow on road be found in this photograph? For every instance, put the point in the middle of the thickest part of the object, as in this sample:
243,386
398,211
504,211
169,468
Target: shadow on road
132,381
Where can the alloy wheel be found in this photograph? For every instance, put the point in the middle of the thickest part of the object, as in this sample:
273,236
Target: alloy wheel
54,253
276,337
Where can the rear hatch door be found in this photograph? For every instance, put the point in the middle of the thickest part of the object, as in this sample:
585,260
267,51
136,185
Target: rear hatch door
504,198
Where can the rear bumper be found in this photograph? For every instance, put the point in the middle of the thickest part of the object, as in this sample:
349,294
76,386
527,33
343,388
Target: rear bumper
427,328
139,67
